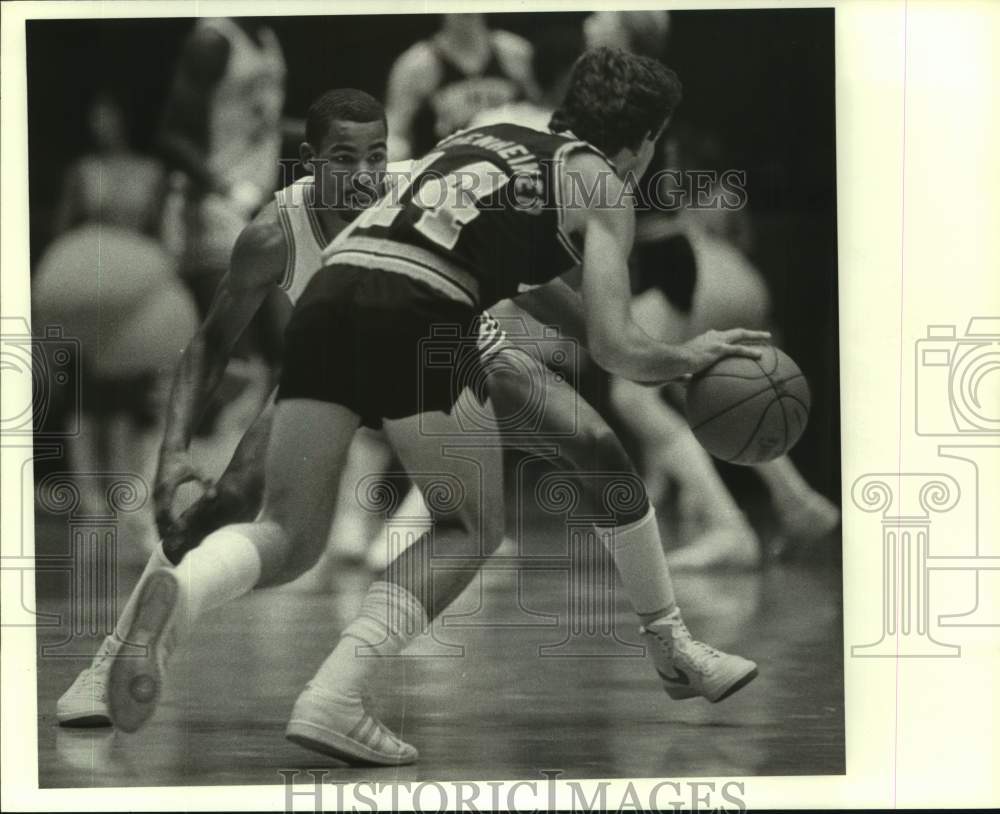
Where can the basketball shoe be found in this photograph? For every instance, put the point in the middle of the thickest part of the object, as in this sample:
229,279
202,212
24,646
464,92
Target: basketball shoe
135,681
690,668
342,728
85,703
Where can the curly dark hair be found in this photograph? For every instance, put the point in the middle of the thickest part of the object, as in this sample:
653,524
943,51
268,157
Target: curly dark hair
615,98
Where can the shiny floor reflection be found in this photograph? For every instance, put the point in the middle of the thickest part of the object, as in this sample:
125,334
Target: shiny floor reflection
510,688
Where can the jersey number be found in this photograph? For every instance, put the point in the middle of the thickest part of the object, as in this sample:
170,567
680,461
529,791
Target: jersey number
449,201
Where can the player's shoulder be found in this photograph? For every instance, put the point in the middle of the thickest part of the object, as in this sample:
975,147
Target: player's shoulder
591,166
511,45
417,65
261,250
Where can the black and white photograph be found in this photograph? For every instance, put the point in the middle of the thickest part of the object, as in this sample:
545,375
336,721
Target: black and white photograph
458,391
432,399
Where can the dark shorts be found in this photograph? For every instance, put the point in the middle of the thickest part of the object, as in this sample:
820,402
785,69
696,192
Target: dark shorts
380,344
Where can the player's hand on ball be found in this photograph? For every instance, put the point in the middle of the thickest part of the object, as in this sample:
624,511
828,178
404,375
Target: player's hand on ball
708,348
175,469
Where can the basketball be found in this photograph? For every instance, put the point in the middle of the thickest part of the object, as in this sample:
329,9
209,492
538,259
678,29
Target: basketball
748,411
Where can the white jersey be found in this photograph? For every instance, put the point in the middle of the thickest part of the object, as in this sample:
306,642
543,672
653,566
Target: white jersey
244,140
303,236
303,232
245,109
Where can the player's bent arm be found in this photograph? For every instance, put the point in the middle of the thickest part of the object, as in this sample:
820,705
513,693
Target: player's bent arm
257,264
615,340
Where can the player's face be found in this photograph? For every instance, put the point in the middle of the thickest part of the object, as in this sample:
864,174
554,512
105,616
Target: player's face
349,165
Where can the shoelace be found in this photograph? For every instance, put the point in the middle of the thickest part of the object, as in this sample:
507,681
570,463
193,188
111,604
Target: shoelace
701,654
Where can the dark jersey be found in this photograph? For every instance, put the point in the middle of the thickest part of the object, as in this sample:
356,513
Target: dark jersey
480,219
458,97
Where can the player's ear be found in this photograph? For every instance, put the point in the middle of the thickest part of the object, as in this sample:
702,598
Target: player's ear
306,155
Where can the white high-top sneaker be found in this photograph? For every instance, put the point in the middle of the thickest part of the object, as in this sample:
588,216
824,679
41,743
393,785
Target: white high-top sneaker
342,728
85,703
690,668
136,677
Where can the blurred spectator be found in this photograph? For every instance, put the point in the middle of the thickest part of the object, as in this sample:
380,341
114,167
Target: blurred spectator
685,148
109,284
112,184
555,49
222,134
438,85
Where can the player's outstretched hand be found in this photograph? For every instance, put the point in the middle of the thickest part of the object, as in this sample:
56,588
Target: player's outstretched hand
708,348
175,469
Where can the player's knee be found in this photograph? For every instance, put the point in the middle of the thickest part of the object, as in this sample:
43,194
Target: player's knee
622,492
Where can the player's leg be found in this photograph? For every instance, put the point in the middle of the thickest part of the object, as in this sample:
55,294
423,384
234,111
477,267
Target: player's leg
306,453
588,446
353,526
804,513
463,486
235,498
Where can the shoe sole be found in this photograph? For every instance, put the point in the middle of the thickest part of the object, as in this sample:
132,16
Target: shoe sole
89,720
334,744
683,693
135,682
737,685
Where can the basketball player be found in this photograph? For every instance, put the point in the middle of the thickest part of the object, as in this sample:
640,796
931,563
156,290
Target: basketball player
267,275
278,253
222,132
439,84
274,258
401,270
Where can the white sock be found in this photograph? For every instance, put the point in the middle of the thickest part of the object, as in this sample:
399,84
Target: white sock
156,560
226,565
390,618
638,554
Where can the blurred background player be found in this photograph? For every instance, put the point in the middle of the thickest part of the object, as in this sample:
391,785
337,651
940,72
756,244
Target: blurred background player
221,134
107,280
642,32
345,150
438,85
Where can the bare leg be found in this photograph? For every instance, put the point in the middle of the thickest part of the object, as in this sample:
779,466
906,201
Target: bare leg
308,437
463,486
